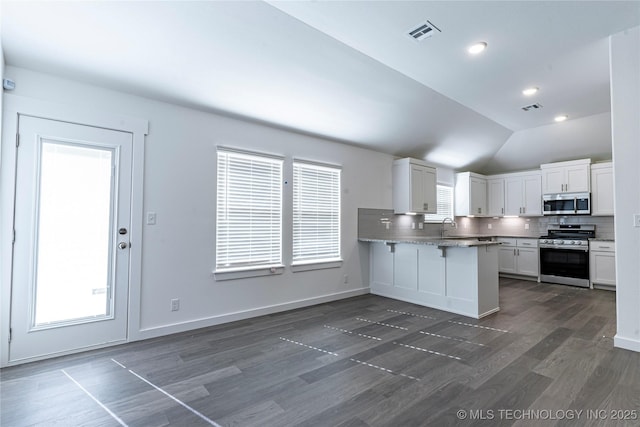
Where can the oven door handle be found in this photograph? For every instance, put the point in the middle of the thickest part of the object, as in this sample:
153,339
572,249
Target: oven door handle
565,248
575,205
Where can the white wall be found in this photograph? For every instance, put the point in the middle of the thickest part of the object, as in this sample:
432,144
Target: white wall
625,103
178,252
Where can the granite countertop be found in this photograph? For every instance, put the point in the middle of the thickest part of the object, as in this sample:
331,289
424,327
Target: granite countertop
435,241
495,236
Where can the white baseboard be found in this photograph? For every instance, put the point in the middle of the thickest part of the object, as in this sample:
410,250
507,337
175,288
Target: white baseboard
626,343
159,331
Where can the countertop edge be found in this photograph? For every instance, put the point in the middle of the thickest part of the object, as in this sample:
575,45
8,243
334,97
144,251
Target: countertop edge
460,243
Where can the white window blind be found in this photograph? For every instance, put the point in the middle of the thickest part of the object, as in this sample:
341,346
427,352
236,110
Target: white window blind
316,213
444,194
249,211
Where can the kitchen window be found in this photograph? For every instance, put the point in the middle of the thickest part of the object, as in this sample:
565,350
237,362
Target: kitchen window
444,201
248,214
316,215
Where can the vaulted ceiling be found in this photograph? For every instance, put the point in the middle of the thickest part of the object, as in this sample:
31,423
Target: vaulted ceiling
348,71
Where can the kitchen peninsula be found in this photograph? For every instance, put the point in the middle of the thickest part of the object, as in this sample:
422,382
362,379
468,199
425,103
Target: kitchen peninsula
450,274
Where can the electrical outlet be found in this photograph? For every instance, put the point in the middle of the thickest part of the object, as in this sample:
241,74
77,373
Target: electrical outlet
413,225
345,279
526,226
489,226
175,304
151,218
421,225
636,220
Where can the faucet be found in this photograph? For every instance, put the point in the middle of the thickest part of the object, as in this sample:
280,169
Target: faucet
444,221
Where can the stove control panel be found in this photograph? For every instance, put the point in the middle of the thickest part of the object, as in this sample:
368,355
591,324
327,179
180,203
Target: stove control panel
564,243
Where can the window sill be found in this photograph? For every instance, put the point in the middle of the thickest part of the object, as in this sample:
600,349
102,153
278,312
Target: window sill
242,273
315,265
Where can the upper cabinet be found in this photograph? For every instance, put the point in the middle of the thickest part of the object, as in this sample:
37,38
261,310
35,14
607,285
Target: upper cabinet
495,196
566,177
602,189
470,194
523,194
414,187
515,194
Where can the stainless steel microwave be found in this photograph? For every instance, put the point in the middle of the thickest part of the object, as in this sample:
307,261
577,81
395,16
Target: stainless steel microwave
566,204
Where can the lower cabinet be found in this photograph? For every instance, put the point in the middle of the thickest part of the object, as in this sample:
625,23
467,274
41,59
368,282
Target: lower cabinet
462,280
602,265
518,257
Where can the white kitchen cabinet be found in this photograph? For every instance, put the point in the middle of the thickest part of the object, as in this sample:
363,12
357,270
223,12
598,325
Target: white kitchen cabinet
405,268
507,259
414,187
462,280
566,177
470,194
518,256
602,264
495,196
523,194
602,189
381,265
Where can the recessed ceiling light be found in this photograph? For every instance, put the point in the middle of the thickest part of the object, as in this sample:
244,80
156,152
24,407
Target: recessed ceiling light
561,118
530,91
477,48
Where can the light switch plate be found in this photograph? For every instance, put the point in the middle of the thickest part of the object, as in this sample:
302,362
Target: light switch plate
151,218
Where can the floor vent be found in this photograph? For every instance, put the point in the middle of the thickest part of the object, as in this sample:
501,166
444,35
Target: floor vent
535,106
423,31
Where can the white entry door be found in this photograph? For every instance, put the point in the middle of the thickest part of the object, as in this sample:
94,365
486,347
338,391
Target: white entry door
70,278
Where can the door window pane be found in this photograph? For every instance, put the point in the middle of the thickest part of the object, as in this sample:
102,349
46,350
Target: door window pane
73,247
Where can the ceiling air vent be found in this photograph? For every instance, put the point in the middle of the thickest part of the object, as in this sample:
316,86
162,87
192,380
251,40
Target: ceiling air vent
535,106
422,31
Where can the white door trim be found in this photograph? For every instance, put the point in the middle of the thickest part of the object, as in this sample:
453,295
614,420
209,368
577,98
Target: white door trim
13,106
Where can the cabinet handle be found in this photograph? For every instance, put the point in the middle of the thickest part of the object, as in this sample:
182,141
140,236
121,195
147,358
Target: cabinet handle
502,209
524,210
514,252
518,252
425,206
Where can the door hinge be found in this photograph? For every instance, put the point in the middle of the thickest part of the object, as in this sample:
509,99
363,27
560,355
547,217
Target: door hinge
17,140
14,237
10,335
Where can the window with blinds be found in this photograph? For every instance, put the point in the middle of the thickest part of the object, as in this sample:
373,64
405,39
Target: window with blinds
444,194
316,213
249,211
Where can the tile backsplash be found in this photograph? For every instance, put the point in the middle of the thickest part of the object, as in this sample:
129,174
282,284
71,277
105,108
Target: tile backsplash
383,223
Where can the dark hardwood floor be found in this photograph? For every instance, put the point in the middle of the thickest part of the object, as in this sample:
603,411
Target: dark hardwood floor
546,358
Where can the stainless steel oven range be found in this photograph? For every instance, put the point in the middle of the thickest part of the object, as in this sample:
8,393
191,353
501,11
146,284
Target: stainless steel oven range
564,254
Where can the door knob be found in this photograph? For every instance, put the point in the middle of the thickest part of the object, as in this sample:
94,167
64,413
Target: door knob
122,245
